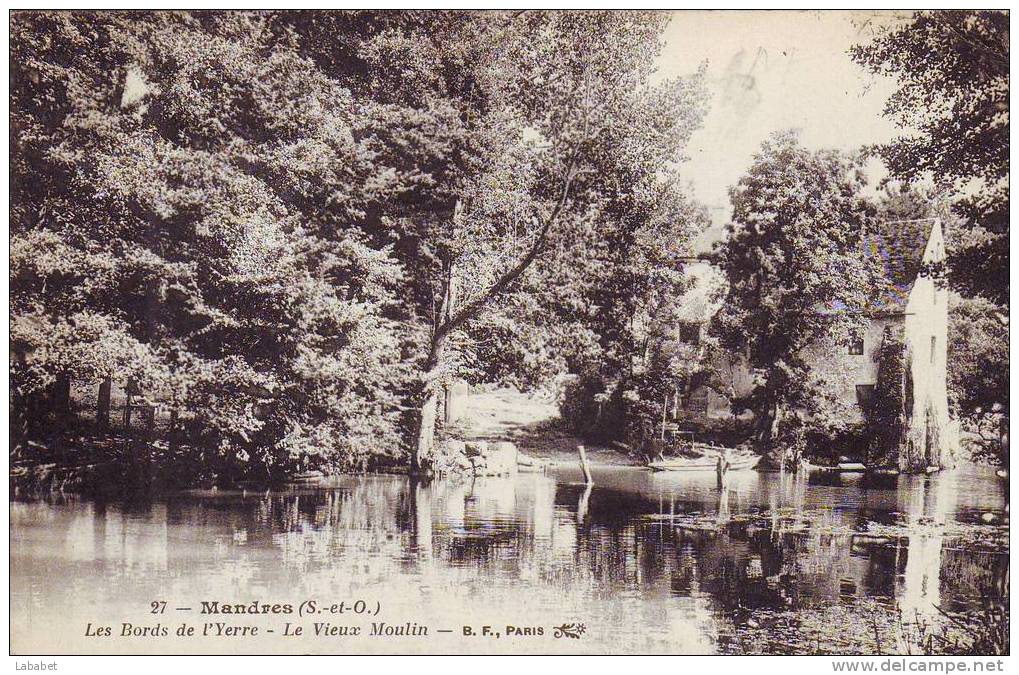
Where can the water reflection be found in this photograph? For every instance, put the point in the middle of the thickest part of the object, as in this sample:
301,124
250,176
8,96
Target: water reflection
649,562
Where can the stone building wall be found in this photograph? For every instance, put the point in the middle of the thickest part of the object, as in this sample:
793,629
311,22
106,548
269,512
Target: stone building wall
843,372
931,439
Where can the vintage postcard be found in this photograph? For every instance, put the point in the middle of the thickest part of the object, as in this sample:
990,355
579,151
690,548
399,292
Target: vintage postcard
525,332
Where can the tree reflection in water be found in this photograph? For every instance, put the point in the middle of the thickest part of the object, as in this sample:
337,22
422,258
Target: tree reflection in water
649,563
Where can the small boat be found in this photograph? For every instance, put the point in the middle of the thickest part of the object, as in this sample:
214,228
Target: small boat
307,477
848,467
705,463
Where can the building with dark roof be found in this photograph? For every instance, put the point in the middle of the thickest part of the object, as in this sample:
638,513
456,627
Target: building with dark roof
909,306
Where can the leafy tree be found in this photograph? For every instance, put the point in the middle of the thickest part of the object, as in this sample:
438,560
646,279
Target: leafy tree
627,302
978,373
953,74
548,115
271,219
797,280
185,188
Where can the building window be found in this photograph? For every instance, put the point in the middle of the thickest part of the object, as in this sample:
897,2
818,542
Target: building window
864,395
690,333
856,343
934,345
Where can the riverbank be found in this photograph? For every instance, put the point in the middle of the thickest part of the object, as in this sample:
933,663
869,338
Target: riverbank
531,421
85,461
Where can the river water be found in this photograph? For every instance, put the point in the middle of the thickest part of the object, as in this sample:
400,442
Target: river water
641,563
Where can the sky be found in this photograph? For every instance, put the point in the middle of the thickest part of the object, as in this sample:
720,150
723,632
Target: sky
773,70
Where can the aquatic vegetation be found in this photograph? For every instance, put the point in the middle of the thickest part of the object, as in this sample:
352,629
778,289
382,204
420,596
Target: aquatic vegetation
980,631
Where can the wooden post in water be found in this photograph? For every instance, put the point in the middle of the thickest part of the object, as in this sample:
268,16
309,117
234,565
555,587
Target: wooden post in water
584,467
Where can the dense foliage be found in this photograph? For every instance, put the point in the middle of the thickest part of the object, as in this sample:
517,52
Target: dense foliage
583,150
186,191
978,374
290,228
627,308
952,69
559,145
797,279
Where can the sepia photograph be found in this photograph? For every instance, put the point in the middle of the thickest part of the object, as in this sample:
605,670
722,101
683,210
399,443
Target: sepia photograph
509,332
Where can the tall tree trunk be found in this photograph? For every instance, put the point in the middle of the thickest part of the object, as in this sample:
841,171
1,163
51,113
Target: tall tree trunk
173,433
767,423
776,420
1003,440
452,402
449,306
103,404
425,440
767,431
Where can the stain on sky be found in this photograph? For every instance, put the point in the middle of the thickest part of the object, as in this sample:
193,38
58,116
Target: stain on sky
741,94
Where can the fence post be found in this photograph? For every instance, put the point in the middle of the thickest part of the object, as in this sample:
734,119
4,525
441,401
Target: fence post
62,395
103,405
128,402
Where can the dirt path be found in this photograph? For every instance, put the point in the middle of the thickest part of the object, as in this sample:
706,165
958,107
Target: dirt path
531,422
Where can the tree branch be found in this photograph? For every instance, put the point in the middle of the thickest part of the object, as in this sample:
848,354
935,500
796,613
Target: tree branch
472,308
